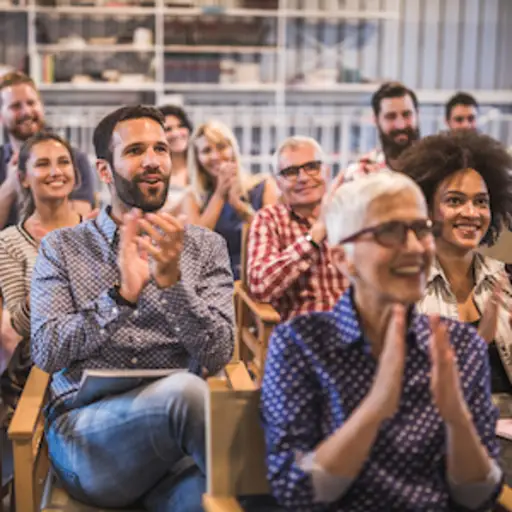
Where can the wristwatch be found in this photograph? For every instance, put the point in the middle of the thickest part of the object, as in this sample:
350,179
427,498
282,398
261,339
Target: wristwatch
309,238
116,296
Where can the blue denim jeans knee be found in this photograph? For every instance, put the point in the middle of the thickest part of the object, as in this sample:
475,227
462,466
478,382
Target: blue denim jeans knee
122,449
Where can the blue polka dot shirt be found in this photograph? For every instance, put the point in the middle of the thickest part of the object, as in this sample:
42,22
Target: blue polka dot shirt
318,370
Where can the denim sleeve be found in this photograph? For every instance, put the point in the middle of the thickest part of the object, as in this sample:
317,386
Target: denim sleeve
86,190
291,399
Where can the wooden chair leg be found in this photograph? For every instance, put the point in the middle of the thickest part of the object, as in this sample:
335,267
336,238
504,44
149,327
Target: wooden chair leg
12,497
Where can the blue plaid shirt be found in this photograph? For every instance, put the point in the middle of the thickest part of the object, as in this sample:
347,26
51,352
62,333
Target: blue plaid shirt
318,370
76,325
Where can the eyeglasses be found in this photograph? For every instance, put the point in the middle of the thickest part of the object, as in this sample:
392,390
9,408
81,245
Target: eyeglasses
310,168
394,234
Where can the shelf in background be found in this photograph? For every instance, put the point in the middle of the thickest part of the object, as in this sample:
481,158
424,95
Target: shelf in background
216,87
281,13
92,48
99,87
93,10
12,8
185,48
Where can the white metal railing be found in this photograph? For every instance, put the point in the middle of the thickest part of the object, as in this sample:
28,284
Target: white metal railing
344,132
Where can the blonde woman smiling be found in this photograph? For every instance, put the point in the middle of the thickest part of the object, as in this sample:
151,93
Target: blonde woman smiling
222,196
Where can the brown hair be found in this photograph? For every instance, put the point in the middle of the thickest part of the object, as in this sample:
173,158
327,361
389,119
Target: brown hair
15,78
433,159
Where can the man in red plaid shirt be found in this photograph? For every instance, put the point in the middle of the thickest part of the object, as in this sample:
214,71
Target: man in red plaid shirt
288,261
395,109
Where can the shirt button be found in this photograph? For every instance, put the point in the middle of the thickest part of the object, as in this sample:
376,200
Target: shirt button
135,313
164,301
177,329
115,311
102,332
134,360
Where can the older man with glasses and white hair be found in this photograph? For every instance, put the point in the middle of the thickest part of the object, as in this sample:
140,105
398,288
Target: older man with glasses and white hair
288,261
373,406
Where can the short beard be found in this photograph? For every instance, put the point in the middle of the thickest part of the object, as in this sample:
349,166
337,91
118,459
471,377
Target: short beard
129,193
393,149
23,136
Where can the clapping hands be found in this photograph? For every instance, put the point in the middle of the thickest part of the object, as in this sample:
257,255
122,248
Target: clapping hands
384,397
150,246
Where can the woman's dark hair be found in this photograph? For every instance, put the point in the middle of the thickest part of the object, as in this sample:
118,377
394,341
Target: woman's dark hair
174,110
432,159
26,199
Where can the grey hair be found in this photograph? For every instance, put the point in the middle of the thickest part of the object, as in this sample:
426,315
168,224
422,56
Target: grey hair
293,142
345,212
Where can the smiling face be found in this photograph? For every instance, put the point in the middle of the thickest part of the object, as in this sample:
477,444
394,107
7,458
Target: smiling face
50,174
21,111
177,134
463,117
212,151
391,274
142,164
397,123
462,204
307,188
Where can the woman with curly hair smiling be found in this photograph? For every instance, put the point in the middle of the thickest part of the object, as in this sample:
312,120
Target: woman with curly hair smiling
467,181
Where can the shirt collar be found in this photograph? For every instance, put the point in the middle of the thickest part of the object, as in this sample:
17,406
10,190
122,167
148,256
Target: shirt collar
106,225
349,325
297,217
485,269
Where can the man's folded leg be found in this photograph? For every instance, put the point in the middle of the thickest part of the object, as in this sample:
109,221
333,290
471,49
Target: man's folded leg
115,451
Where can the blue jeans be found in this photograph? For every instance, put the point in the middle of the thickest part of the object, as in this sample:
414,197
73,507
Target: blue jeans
144,448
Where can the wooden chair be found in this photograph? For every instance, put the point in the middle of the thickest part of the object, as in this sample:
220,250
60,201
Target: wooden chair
6,456
235,448
234,441
36,486
255,320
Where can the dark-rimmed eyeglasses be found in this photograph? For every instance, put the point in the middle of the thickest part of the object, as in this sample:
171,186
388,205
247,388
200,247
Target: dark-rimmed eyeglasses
310,168
394,233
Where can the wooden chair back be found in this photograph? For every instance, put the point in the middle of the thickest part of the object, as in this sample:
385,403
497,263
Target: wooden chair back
235,447
255,321
26,431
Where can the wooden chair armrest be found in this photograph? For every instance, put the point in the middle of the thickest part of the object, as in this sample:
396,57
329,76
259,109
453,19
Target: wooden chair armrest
505,498
212,504
28,411
238,377
264,311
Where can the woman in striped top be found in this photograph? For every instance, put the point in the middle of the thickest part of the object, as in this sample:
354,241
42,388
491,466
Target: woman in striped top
47,176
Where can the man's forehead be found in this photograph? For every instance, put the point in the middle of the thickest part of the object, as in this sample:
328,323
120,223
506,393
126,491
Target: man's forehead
141,130
297,154
18,91
397,104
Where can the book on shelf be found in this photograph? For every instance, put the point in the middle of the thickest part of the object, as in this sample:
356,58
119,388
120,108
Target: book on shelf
98,384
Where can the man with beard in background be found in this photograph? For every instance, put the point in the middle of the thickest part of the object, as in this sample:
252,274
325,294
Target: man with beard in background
132,289
22,115
395,109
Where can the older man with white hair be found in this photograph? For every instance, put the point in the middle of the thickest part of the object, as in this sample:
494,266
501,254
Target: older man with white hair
373,406
288,260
